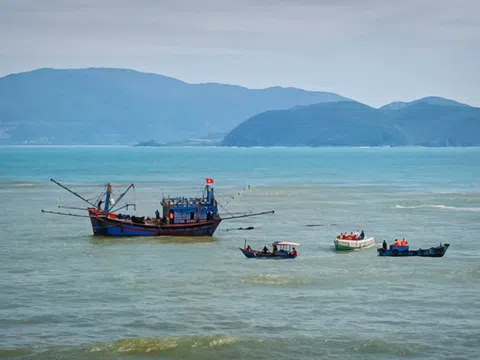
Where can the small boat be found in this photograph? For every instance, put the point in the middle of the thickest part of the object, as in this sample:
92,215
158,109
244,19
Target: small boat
180,216
353,241
348,244
437,251
280,250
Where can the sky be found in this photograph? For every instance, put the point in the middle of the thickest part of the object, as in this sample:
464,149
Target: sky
373,51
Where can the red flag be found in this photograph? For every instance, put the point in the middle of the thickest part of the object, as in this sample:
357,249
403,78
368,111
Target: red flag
209,180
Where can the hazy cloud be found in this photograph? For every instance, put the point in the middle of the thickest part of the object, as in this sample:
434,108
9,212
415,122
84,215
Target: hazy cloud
374,51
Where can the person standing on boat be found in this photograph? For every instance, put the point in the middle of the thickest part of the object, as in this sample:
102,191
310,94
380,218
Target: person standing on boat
362,235
157,214
265,250
100,205
384,245
274,248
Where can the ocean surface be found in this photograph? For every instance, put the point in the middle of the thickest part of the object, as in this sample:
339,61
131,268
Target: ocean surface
65,294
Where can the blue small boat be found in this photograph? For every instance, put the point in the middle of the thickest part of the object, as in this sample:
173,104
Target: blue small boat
280,250
438,251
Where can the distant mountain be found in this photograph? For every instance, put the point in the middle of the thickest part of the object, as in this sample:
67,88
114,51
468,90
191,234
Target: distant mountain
119,106
432,100
354,124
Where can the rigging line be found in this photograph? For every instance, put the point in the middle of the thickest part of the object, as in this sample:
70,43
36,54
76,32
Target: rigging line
237,195
122,195
226,210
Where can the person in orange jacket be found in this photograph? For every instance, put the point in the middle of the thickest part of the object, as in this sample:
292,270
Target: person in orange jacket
404,242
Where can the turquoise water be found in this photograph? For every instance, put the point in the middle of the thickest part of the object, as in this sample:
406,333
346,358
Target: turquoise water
68,295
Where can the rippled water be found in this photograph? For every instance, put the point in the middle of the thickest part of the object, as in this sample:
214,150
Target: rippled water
68,295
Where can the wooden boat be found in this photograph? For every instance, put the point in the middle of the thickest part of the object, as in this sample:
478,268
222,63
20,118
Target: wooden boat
437,251
352,244
180,216
280,250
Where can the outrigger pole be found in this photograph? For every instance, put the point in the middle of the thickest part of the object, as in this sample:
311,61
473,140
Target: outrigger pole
121,196
248,215
61,213
72,192
125,206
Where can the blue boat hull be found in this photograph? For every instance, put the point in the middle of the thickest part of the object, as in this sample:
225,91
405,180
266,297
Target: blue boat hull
438,251
110,227
251,254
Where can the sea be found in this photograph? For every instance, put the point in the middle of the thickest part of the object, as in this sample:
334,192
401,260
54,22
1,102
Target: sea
65,294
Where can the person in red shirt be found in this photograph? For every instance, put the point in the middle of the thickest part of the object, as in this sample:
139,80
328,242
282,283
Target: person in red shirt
294,252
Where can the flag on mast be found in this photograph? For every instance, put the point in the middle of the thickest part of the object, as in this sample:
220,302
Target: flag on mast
209,181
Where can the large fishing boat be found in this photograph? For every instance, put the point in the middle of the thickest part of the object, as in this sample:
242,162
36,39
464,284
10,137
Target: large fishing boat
180,216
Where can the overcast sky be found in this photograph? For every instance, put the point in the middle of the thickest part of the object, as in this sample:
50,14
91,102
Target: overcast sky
371,50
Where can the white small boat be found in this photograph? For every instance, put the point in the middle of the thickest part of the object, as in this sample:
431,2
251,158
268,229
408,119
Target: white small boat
347,244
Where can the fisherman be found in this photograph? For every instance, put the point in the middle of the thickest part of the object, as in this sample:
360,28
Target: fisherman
274,248
157,214
265,250
294,252
384,245
100,205
362,235
404,242
397,242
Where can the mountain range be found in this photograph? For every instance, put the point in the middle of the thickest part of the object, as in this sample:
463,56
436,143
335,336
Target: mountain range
120,106
430,121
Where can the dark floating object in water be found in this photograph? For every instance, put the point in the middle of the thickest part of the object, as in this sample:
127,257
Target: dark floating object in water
241,228
311,225
438,251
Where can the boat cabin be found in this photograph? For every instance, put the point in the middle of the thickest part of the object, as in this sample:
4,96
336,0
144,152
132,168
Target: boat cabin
284,246
181,210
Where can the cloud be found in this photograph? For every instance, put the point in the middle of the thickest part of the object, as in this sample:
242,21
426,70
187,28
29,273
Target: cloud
396,49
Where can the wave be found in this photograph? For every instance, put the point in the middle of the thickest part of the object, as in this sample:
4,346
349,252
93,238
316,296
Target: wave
273,279
434,206
14,352
159,345
25,185
378,346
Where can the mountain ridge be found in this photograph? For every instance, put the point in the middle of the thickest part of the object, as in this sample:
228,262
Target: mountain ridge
355,124
124,106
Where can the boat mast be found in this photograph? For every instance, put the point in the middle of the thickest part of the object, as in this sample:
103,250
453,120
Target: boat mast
72,192
107,197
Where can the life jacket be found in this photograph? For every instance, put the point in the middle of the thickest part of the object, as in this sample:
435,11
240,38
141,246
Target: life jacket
404,242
